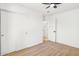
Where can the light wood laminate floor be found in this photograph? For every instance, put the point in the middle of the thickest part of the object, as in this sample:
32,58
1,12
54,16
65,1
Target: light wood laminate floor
47,49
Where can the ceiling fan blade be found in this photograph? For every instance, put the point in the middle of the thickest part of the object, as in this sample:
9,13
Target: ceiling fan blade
51,3
57,3
47,3
47,7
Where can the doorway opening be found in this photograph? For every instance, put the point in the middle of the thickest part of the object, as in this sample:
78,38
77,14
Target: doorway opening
49,28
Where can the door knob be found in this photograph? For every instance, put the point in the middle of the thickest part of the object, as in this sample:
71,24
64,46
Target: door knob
54,31
2,34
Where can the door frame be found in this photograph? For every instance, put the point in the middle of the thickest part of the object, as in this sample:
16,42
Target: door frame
55,29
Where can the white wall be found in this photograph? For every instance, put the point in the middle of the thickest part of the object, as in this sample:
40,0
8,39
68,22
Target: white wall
24,27
68,27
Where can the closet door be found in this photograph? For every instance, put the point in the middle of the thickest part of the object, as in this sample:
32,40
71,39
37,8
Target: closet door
7,41
4,38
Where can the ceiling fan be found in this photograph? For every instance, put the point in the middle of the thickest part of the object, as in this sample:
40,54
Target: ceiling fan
49,5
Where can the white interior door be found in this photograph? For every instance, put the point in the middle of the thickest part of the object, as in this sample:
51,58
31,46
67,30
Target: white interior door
7,41
52,28
4,38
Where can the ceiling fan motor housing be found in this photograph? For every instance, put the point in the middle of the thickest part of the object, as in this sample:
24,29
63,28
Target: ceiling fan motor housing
55,6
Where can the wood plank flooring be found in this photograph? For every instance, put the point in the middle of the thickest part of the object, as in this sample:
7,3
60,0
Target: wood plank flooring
47,49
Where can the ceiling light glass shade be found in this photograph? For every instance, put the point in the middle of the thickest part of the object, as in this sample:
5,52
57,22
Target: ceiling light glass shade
52,5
